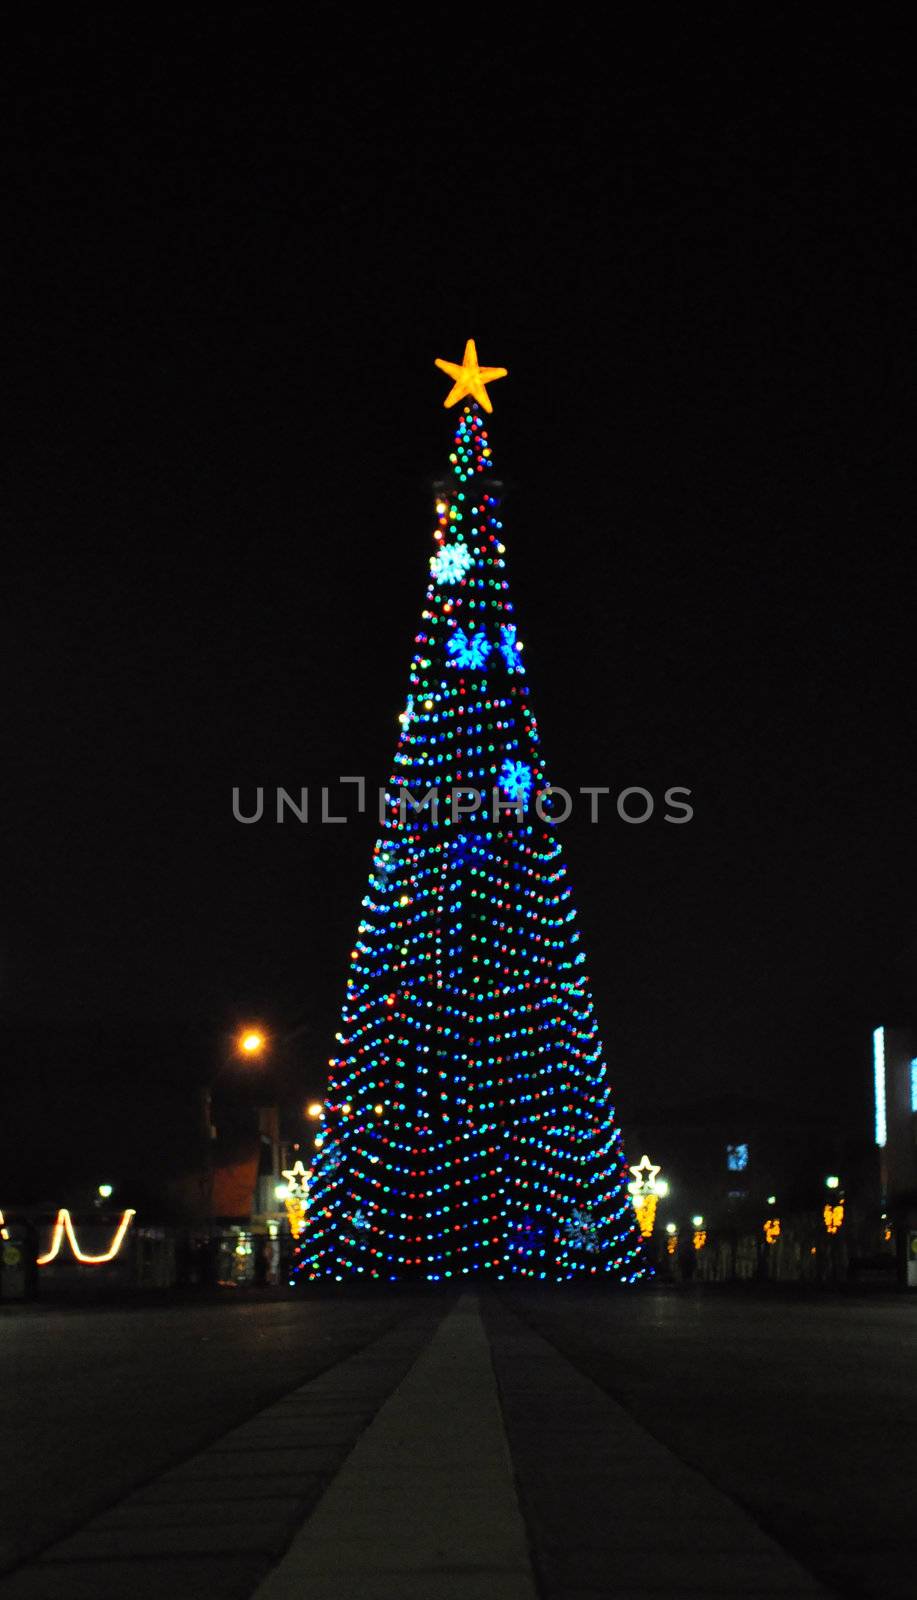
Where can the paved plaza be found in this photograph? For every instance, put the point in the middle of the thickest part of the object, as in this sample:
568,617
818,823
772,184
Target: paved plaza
489,1445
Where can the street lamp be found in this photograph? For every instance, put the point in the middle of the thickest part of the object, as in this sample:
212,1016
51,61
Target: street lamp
253,1045
251,1042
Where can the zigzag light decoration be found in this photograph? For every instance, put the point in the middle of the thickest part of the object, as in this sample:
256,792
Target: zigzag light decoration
64,1225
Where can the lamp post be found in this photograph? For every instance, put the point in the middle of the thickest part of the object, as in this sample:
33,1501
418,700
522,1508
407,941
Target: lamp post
252,1045
248,1044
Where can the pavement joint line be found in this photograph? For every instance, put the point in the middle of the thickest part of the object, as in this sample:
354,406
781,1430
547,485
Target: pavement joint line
426,1502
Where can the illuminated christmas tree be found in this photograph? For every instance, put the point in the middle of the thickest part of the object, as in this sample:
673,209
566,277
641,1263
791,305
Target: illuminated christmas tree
468,1127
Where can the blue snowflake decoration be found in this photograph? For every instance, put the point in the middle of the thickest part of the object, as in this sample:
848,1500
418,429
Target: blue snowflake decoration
510,648
468,649
452,563
580,1231
516,780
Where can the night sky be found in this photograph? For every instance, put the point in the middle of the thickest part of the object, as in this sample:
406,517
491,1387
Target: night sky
238,243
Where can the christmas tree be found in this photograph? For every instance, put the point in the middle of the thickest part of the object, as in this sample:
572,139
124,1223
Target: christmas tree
468,1127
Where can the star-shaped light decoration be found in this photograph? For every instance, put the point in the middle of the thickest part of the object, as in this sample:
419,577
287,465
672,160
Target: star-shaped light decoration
644,1195
470,378
644,1177
297,1178
296,1198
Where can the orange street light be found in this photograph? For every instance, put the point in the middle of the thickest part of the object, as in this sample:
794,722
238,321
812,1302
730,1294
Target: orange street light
251,1042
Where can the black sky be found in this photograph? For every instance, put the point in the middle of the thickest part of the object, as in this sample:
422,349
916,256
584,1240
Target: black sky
238,241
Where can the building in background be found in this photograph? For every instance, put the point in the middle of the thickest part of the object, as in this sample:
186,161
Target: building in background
724,1156
759,1190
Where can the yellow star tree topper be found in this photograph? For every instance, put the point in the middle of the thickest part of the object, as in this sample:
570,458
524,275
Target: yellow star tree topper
470,378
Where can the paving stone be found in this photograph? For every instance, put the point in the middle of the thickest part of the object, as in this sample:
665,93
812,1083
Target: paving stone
586,1497
288,1433
655,1528
323,1406
258,1463
199,1513
729,1572
459,1585
251,1536
171,1491
631,1592
231,1578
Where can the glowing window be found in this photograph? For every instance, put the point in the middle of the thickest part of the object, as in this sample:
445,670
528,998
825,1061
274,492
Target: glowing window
736,1157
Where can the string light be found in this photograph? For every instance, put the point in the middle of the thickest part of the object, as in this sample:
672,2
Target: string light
468,1126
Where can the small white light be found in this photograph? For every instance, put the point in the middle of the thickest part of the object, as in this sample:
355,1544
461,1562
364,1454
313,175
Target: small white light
697,1222
662,1188
106,1191
282,1192
832,1182
670,1227
772,1199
